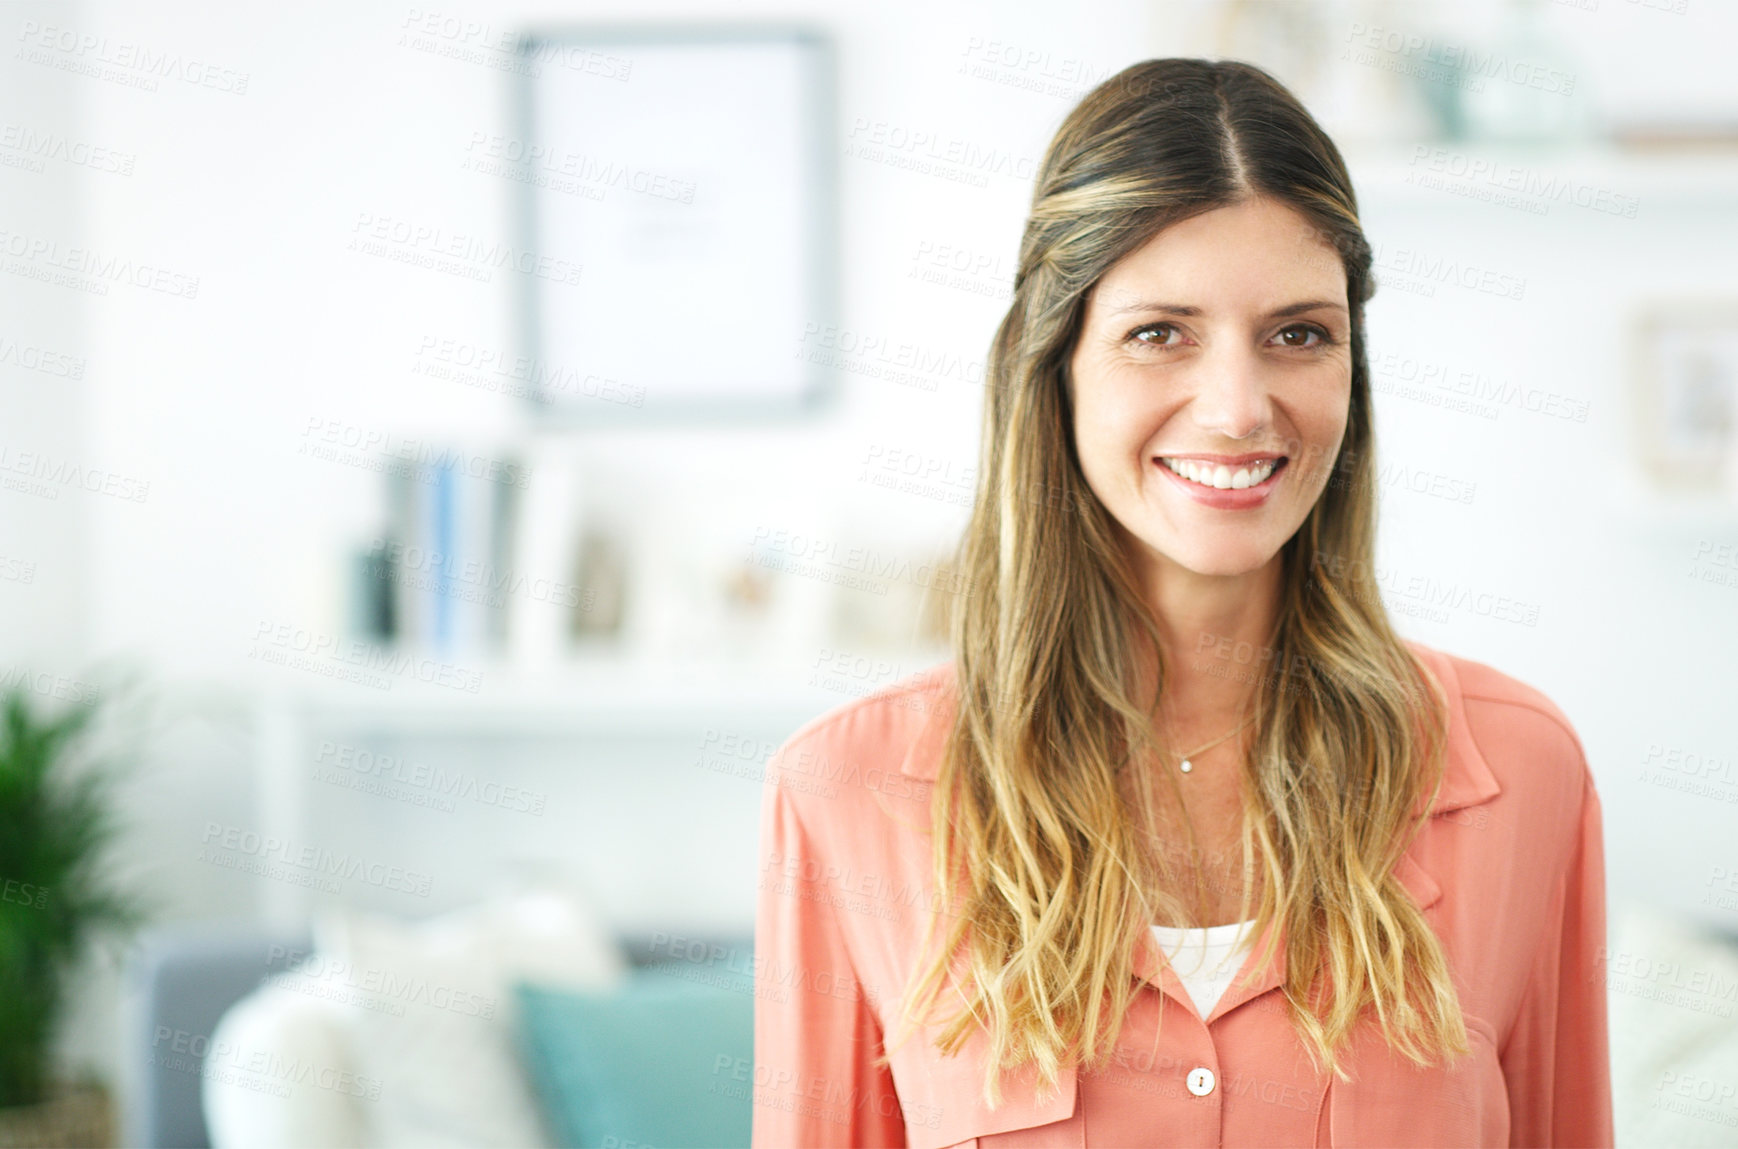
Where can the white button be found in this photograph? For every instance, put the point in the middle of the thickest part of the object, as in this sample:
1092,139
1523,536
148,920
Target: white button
1200,1081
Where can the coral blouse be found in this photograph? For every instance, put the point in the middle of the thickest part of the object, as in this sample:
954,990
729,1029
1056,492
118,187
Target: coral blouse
1509,871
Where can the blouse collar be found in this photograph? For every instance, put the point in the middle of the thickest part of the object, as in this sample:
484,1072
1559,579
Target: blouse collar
1467,781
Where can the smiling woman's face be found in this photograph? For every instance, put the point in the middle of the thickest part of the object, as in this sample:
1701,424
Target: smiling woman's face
1220,349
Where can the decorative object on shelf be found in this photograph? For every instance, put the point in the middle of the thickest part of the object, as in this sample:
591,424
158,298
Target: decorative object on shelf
1517,85
56,825
600,582
891,596
1717,134
373,601
1337,55
1685,372
544,527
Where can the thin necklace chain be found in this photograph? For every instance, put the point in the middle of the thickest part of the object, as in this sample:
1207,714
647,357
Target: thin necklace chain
1186,765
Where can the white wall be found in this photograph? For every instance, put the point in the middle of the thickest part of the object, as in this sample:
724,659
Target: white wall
45,378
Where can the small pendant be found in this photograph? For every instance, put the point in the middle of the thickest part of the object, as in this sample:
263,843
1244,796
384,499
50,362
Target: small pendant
1187,765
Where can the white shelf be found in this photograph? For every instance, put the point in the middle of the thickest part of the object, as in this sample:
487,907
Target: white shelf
581,702
1385,175
585,697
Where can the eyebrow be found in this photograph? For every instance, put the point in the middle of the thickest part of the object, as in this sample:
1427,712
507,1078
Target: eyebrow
1185,309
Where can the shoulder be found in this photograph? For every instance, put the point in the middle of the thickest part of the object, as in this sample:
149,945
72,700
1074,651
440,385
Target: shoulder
1508,715
1524,738
864,748
894,710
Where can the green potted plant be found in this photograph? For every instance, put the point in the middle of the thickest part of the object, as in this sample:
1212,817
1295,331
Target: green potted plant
56,823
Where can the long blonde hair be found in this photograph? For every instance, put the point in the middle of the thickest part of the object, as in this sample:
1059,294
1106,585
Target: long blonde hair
1042,795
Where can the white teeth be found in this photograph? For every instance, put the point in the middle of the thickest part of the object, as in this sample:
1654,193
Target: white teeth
1221,477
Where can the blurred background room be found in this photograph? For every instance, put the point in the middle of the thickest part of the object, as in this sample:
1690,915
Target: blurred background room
446,449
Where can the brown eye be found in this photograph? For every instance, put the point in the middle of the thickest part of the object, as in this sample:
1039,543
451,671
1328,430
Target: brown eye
1304,330
1151,328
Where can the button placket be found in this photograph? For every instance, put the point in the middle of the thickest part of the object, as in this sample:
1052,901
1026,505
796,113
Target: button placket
1202,1080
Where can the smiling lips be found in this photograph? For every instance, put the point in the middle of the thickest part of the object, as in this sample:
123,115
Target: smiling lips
1221,472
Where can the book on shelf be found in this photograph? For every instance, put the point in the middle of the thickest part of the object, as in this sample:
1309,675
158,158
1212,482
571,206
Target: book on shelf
438,579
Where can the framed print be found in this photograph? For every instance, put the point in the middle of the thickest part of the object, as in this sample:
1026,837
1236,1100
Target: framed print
689,173
1686,376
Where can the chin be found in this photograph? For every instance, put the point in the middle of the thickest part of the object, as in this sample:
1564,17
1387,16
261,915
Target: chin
1221,560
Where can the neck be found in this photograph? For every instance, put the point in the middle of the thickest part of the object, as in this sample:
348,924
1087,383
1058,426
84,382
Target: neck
1216,633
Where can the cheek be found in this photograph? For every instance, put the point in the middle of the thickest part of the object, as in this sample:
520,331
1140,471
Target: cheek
1318,403
1318,416
1110,428
1326,425
1112,414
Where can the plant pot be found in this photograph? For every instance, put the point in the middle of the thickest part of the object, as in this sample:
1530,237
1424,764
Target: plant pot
78,1116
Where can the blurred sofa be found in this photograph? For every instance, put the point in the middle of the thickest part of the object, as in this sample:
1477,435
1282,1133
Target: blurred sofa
181,981
238,1037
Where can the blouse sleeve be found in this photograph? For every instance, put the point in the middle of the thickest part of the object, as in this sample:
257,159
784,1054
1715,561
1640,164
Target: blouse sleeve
1557,1059
816,1035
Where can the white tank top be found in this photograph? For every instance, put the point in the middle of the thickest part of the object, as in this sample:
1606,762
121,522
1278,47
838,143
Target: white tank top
1207,959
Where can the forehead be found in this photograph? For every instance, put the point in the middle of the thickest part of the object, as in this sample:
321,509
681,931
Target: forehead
1257,255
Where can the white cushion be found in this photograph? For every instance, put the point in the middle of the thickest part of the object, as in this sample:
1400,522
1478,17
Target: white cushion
278,1074
436,1028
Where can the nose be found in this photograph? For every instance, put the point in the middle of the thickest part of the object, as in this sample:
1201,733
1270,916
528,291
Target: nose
1231,395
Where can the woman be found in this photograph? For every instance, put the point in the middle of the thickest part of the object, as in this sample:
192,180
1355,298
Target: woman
1180,728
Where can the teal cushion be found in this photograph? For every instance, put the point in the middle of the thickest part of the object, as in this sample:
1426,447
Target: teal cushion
666,1060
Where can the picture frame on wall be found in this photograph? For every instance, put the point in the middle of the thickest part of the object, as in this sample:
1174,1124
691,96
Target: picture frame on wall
689,173
1686,395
